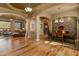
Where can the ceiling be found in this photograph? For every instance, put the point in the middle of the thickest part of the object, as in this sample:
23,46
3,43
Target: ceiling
23,5
18,7
40,8
37,7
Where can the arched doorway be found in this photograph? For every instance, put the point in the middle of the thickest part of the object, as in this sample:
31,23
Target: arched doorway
11,22
44,26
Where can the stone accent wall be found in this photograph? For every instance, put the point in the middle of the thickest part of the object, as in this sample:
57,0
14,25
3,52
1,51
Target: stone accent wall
69,25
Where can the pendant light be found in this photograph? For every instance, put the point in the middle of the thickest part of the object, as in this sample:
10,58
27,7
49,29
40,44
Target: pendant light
56,21
28,8
59,19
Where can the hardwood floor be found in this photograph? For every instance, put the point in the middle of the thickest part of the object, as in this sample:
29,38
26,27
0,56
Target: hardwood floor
20,47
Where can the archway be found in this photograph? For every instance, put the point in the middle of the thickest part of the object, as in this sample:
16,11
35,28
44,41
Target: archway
12,22
44,26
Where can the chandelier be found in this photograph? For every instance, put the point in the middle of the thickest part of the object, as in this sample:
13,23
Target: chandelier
59,19
28,9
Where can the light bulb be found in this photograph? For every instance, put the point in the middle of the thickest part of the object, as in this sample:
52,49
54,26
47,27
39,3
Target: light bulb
11,19
56,21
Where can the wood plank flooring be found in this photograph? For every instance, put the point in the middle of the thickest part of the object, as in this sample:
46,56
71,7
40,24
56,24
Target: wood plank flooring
20,47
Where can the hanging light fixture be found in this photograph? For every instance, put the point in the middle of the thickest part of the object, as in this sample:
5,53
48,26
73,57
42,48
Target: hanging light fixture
59,19
28,9
56,21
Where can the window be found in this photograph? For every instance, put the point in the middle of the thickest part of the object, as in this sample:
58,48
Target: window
5,24
17,25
